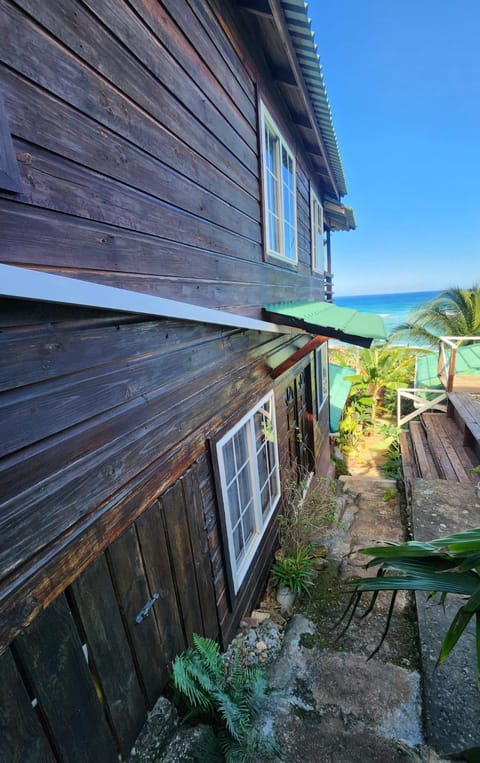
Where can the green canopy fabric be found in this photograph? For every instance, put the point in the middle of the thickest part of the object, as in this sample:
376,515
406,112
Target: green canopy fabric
326,319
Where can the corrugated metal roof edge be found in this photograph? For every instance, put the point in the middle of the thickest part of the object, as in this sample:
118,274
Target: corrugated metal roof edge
316,87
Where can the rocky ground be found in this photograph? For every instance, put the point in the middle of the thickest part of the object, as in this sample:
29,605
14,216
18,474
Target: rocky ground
328,702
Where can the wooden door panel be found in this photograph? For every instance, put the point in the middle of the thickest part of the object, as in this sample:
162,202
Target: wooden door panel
51,655
94,597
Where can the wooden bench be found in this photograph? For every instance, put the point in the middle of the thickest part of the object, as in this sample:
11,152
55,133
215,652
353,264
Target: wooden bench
465,410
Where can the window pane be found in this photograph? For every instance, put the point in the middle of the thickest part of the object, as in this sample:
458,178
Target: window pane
233,503
245,487
241,448
262,466
249,523
265,499
273,234
229,461
238,543
289,238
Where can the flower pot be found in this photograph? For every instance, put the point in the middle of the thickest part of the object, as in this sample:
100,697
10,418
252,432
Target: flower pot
285,598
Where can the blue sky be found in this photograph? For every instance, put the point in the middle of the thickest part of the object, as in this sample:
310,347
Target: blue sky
403,80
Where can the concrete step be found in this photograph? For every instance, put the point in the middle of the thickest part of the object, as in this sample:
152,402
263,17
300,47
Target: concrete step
451,699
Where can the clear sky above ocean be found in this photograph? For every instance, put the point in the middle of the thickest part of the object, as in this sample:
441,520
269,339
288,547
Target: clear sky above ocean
403,80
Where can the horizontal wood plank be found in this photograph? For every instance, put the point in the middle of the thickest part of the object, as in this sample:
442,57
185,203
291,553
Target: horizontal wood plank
57,70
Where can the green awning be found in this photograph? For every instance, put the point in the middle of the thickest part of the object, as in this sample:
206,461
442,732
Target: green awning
323,318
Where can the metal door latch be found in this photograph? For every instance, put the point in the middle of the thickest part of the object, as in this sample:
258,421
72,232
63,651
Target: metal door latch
145,611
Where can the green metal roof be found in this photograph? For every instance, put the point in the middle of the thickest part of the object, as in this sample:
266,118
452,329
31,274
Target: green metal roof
323,318
303,40
339,390
467,362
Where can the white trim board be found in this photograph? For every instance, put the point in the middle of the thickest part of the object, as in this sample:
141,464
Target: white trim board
24,283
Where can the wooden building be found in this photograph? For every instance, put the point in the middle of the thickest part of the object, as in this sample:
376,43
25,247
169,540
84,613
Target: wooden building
168,168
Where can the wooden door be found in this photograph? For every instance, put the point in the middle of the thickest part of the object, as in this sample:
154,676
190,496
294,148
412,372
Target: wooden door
78,683
298,400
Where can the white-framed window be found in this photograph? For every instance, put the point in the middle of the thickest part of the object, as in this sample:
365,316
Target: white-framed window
321,375
279,191
316,216
248,467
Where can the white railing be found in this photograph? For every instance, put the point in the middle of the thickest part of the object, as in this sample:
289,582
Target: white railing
447,357
420,402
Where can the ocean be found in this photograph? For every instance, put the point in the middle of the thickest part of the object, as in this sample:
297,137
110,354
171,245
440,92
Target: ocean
394,308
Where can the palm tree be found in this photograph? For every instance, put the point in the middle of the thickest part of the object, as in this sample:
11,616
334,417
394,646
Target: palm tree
453,312
379,369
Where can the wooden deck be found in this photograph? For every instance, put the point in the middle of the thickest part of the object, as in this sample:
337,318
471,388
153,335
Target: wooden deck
443,446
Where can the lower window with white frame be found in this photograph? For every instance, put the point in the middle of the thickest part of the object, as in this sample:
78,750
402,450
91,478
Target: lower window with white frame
247,457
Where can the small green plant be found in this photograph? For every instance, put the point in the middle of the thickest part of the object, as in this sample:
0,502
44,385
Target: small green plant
228,697
390,494
294,571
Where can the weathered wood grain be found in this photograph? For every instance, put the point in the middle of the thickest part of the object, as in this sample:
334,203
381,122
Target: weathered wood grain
41,119
200,555
51,655
71,23
54,68
152,537
181,554
55,183
168,55
94,597
129,576
22,739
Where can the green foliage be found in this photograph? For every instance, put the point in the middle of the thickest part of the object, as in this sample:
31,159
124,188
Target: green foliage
294,571
454,312
392,467
230,698
441,566
389,494
380,369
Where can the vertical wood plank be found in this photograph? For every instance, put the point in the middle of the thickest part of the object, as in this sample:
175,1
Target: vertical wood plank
22,739
133,592
94,598
182,562
201,556
153,542
51,655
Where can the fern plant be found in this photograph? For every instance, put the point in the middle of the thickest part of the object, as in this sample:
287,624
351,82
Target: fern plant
228,697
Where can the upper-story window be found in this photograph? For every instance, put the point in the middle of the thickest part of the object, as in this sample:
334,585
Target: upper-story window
316,214
279,194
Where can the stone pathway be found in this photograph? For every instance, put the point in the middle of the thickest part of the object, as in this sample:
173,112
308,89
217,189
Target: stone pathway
452,701
329,703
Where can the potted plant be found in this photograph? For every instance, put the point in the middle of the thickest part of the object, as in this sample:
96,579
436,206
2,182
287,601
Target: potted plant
292,574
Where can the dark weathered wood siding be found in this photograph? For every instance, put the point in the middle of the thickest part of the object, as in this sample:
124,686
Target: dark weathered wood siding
135,130
135,127
101,413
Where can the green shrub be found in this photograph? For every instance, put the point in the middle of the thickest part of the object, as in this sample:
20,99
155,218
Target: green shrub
294,571
228,697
